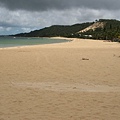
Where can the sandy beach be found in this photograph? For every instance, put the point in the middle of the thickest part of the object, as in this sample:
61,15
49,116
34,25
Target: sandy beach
77,80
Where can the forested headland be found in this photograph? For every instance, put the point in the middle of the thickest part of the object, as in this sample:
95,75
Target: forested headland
102,29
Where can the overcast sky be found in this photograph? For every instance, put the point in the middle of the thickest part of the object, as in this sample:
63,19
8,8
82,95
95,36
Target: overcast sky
18,16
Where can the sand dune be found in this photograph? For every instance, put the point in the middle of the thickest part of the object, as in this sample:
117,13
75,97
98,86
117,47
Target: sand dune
77,80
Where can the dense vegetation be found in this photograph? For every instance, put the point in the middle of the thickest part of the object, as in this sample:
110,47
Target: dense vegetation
56,30
110,31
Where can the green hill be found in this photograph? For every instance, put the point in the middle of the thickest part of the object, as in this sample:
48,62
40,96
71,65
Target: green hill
109,30
105,29
56,30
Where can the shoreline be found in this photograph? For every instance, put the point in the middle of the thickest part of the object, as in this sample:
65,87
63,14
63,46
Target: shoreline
24,46
74,40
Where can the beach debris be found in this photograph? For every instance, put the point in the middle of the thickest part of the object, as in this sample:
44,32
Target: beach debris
114,55
74,87
85,59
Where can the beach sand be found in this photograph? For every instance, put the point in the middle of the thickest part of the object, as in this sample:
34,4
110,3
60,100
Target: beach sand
77,80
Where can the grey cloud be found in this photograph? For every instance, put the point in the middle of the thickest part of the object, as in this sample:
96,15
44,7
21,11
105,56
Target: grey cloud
13,22
16,15
44,5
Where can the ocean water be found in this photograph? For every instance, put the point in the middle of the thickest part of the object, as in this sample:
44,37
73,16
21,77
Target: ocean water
26,41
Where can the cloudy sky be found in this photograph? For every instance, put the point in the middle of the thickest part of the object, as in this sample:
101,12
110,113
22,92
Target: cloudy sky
18,16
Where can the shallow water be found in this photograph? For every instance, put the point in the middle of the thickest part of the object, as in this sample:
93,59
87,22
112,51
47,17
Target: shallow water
23,41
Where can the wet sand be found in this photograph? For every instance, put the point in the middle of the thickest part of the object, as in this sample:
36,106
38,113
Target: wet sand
77,80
